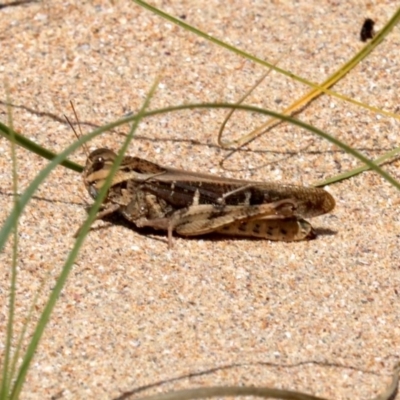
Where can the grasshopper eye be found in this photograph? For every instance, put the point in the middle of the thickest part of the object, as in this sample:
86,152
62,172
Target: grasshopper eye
98,164
100,158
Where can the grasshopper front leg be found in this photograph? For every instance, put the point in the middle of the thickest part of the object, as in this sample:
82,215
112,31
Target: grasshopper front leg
110,209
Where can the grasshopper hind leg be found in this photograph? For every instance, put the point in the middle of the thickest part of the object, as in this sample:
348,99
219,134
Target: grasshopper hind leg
287,230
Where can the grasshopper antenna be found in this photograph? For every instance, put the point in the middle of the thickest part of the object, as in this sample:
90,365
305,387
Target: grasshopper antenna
85,148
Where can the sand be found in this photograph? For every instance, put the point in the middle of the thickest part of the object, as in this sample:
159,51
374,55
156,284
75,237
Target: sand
320,316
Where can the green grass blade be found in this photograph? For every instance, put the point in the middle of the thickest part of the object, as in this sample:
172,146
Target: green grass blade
24,142
6,375
330,81
286,118
58,159
348,174
25,197
318,89
267,393
230,391
45,316
18,348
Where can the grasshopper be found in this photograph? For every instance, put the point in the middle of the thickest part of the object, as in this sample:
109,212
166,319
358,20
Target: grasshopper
191,203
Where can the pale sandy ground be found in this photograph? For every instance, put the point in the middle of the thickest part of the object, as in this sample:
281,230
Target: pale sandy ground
320,316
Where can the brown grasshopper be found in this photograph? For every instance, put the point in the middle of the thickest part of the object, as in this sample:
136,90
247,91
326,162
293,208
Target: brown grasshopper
192,203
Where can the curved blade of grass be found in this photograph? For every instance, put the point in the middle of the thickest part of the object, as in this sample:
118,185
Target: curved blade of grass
45,316
20,340
247,94
267,393
58,159
6,375
219,391
48,154
329,82
391,390
29,191
241,100
369,163
348,174
317,89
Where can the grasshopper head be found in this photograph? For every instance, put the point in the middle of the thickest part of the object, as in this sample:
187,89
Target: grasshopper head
97,168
